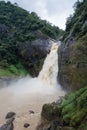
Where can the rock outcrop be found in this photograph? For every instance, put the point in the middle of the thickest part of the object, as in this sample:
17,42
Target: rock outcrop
73,64
33,53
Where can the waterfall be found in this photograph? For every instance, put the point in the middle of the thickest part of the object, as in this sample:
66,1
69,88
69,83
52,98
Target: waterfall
46,82
31,93
49,70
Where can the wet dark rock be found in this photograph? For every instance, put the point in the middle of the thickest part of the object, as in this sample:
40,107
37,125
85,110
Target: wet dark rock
50,112
31,112
64,53
26,125
7,127
55,126
10,115
34,53
9,124
10,120
44,125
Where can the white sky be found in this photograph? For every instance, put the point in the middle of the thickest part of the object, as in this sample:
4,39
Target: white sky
54,11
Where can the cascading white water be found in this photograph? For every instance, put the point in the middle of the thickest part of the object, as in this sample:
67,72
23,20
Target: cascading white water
46,82
49,71
31,93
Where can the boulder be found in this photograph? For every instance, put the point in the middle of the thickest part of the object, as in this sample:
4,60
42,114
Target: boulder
10,120
9,124
26,125
7,127
51,112
31,112
10,115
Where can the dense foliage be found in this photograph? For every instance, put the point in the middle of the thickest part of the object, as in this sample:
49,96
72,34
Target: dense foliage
19,26
76,24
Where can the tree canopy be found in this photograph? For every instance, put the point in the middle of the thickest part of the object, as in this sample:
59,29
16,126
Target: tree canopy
20,26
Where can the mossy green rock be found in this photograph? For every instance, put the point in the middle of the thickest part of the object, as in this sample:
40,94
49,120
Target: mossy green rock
50,111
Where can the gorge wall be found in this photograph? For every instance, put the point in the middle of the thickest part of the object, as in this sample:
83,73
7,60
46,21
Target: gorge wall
73,50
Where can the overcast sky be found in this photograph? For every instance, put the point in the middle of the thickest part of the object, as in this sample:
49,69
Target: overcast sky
55,11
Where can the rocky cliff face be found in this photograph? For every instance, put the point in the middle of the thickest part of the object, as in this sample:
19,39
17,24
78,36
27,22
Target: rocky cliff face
34,53
65,64
73,50
73,63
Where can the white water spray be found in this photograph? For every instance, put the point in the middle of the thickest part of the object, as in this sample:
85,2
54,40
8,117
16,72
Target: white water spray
49,71
45,83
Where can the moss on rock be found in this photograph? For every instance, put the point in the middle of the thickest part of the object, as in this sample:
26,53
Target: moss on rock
51,111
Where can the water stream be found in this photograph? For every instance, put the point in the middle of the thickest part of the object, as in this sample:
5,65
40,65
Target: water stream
31,93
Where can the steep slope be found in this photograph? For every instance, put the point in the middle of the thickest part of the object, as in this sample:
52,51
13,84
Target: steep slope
73,51
18,28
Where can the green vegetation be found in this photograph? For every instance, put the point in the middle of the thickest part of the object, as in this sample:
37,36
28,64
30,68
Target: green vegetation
76,25
74,66
13,70
74,109
72,112
79,61
20,26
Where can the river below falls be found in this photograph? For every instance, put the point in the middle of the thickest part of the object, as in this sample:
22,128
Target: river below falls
13,98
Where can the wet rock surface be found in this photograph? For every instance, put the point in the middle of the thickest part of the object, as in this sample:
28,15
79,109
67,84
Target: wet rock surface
9,124
26,125
10,120
7,127
34,53
10,115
